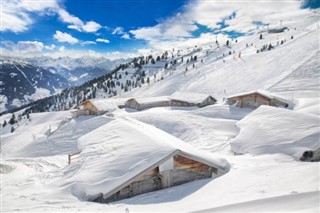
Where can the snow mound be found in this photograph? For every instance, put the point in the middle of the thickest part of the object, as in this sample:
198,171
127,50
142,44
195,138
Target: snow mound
272,130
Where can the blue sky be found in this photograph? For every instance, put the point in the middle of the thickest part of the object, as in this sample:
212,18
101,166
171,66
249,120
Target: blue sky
125,28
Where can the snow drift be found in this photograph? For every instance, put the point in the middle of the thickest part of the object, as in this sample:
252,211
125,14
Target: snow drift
274,130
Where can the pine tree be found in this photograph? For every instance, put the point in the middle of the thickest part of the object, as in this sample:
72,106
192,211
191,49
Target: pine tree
227,43
4,123
270,47
260,36
12,119
12,129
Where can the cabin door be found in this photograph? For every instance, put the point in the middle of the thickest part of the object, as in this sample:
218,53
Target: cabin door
166,170
166,179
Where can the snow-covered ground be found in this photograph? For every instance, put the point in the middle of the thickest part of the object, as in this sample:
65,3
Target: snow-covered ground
267,177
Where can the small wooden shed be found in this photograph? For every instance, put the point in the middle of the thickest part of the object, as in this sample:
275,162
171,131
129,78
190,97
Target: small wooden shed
189,99
98,106
146,103
136,158
254,99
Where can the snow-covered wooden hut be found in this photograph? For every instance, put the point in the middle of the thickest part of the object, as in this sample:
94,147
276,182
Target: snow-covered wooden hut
146,103
279,29
126,157
77,112
254,99
191,99
98,106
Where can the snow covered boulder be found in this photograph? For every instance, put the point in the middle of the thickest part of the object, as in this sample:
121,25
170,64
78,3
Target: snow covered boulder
270,130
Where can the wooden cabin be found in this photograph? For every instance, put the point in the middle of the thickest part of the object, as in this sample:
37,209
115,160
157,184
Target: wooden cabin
188,99
254,99
178,168
136,158
98,106
146,103
280,29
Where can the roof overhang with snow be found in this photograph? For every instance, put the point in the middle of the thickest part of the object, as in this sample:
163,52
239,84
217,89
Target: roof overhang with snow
263,93
190,97
102,104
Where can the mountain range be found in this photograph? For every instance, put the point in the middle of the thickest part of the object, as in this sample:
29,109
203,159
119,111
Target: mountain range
30,79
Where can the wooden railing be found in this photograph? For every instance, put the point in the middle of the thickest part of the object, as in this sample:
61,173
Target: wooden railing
71,155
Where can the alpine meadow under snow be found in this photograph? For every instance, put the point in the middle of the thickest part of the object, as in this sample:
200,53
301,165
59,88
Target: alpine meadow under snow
256,151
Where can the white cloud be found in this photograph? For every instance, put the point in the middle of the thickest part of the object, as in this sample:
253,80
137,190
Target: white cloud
92,53
173,28
29,46
91,26
78,24
68,18
178,28
65,37
126,36
24,46
88,43
102,40
118,30
50,47
61,49
16,15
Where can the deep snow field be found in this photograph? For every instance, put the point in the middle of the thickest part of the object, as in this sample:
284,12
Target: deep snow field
261,146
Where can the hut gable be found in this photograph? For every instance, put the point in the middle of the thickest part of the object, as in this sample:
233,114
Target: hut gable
254,99
145,103
137,158
191,99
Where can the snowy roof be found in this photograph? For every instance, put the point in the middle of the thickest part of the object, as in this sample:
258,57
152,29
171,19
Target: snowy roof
121,150
266,94
189,97
149,100
283,131
104,104
118,101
